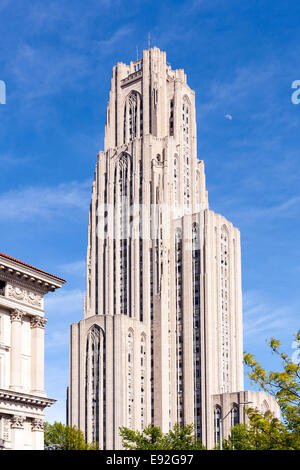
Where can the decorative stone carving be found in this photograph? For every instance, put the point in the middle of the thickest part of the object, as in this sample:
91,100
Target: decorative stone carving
6,429
17,315
17,422
24,295
38,322
37,425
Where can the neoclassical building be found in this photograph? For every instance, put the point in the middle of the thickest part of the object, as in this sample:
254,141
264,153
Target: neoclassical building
22,322
161,340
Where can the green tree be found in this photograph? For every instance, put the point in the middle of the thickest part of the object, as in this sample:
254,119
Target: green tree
265,432
58,436
284,386
152,438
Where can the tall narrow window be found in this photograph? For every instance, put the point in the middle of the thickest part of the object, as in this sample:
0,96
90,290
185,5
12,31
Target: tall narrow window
94,381
234,415
179,326
133,117
122,201
224,301
197,328
143,372
186,111
217,424
171,118
130,396
176,181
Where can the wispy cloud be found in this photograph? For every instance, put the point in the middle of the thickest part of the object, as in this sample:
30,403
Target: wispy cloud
11,160
43,71
45,202
108,44
261,318
77,267
284,209
65,302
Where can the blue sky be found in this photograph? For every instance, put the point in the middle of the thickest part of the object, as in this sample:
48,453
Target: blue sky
241,57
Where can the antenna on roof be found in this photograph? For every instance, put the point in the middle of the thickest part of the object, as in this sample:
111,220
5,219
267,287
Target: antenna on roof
137,53
149,42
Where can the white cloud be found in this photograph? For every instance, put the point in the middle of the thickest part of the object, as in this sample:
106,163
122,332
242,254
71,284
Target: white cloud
261,318
43,71
228,116
77,267
44,202
108,44
65,302
9,159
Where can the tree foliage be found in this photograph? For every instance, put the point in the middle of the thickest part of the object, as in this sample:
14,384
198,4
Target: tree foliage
58,436
264,431
152,438
284,386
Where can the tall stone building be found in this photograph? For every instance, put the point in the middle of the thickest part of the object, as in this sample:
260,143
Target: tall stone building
161,338
22,323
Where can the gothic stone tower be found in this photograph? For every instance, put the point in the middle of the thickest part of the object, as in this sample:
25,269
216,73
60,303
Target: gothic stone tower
162,327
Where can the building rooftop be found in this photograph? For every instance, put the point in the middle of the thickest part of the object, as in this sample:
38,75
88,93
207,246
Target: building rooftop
2,255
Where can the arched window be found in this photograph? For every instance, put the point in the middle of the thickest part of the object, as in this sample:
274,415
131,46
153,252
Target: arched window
122,201
133,117
265,406
186,111
186,118
94,381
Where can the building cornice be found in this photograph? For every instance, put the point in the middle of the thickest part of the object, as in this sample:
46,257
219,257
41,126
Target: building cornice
18,397
133,77
22,272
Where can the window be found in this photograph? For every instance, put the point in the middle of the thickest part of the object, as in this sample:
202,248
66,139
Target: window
217,423
133,117
94,380
129,375
2,287
171,119
235,415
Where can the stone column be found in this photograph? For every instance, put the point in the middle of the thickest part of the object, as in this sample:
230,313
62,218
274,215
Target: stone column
37,431
17,431
37,354
16,317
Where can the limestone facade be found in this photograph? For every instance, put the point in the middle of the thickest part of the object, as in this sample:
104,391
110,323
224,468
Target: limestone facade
161,334
22,322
